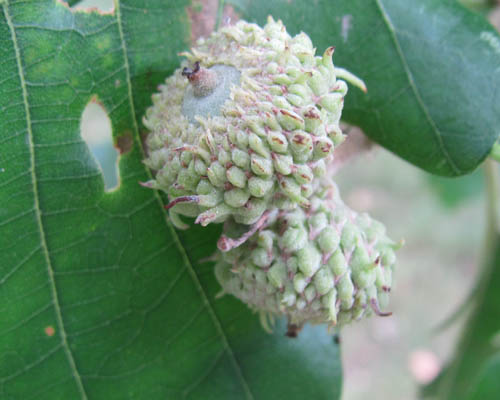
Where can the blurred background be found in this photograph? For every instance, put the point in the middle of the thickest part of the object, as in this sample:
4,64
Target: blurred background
442,222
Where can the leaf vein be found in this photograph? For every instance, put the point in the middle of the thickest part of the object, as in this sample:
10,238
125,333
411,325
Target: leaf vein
176,239
43,241
409,74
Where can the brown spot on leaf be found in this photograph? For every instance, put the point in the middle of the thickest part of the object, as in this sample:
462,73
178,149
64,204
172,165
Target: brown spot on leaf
124,142
49,331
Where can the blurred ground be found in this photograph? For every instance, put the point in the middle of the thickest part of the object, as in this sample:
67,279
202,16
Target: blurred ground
387,358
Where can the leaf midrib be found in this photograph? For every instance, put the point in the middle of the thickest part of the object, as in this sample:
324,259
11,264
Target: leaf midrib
36,207
176,238
392,31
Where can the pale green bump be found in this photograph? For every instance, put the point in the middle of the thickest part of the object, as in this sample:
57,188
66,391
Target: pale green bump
317,83
283,164
277,274
236,177
251,212
256,144
270,289
265,239
388,256
277,141
323,281
300,90
318,221
186,157
360,260
348,238
282,79
204,187
242,139
200,167
364,278
259,187
329,301
329,240
223,157
240,158
290,120
210,199
309,260
319,168
293,191
261,257
294,239
312,119
260,277
332,101
301,304
216,174
299,282
307,190
323,147
261,166
289,296
303,174
293,265
310,293
301,145
282,103
236,197
345,290
188,179
295,100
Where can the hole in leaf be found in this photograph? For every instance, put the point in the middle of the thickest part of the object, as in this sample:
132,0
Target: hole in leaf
95,128
101,5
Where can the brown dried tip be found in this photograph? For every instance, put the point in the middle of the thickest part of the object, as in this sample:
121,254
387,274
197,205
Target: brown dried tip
376,309
226,243
182,199
203,80
188,72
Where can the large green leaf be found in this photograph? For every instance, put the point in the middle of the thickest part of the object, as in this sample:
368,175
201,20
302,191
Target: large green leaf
431,68
99,297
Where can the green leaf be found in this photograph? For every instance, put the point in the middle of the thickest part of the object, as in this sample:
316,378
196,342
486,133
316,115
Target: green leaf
488,385
431,68
99,297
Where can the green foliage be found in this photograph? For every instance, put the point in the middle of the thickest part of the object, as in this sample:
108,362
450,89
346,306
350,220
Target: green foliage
100,297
